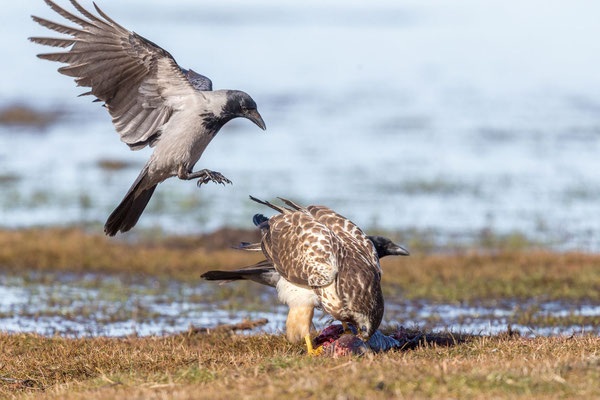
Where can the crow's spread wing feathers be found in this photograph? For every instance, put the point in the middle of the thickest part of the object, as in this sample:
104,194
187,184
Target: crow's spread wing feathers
140,83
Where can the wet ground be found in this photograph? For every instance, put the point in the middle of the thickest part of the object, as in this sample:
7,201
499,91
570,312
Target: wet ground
420,115
93,305
428,118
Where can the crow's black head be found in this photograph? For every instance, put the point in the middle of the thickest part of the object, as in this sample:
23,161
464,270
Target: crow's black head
240,104
385,247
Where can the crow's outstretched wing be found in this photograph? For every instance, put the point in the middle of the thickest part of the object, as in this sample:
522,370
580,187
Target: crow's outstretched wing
140,83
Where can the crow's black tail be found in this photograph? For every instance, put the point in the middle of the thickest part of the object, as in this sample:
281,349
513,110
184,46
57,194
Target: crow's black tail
126,215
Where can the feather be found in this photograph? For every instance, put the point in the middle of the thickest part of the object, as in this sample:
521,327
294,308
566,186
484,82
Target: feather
58,27
130,74
67,15
54,42
266,203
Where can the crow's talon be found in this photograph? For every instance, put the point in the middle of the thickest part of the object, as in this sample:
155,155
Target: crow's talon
212,176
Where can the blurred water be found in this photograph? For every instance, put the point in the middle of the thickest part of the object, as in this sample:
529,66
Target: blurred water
450,116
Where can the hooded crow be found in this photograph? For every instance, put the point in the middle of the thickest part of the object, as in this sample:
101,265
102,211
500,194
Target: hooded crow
152,100
318,258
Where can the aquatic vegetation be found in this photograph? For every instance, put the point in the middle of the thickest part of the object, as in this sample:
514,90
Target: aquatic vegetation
19,115
106,164
8,178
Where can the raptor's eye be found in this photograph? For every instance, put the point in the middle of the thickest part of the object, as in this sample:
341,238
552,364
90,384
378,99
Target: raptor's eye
363,328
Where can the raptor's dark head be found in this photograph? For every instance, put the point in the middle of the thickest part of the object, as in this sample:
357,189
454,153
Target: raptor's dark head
240,104
385,247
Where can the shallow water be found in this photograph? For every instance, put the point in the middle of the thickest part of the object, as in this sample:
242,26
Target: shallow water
449,117
94,305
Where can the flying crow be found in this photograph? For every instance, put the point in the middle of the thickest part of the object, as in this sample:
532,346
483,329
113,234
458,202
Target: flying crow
318,258
152,100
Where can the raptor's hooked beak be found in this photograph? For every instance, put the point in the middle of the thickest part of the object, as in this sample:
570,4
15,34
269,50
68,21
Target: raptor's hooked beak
255,117
396,250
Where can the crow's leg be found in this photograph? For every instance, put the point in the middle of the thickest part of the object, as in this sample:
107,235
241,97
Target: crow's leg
203,176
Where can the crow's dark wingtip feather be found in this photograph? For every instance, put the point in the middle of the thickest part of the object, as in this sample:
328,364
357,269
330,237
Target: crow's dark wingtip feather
260,220
109,232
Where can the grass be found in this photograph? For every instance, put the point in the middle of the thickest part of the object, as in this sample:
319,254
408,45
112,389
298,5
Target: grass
459,277
266,366
113,165
220,365
72,250
466,277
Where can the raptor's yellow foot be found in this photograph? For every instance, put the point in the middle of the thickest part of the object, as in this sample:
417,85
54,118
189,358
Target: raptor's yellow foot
309,347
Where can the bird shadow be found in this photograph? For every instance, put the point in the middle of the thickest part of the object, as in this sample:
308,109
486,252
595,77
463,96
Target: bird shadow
336,342
410,339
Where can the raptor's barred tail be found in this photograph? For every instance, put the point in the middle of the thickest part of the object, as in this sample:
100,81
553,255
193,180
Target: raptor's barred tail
126,215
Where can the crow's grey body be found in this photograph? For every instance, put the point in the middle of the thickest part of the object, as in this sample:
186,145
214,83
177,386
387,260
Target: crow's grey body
152,100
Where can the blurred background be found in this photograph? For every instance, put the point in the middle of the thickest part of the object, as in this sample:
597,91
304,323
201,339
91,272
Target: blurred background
446,125
442,119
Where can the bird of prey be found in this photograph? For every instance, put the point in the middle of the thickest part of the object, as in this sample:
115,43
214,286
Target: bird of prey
265,273
318,258
151,99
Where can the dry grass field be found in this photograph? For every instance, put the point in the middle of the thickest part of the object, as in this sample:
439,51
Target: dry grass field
264,366
463,275
222,365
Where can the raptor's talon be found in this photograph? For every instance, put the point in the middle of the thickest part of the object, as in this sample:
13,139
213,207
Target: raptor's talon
309,347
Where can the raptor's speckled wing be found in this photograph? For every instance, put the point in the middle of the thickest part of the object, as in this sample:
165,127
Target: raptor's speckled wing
352,236
303,251
140,83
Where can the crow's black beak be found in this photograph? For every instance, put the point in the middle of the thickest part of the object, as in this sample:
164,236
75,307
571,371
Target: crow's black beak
398,251
255,117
